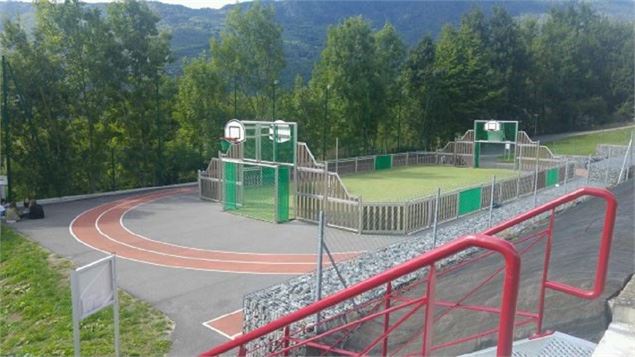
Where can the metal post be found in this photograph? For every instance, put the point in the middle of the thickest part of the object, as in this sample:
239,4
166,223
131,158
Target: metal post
630,157
115,306
76,317
275,193
606,164
235,97
384,349
625,161
436,218
588,170
566,174
337,153
320,254
7,135
273,112
491,202
536,182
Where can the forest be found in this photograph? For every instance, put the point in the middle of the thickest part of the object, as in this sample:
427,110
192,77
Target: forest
91,105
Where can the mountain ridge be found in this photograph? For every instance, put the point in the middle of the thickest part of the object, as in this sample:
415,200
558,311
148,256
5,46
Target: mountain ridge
305,23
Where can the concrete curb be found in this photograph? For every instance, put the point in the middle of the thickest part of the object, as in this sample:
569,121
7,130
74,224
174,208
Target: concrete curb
111,193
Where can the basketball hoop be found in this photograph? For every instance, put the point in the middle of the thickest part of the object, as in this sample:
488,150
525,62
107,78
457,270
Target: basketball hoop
492,125
282,131
234,131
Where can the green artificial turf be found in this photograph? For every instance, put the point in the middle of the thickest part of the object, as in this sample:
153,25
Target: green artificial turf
417,181
585,144
36,313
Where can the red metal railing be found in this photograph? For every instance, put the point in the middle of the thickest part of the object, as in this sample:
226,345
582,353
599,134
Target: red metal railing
297,330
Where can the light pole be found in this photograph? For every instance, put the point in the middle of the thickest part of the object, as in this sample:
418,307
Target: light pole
235,97
535,125
273,115
326,120
399,120
5,120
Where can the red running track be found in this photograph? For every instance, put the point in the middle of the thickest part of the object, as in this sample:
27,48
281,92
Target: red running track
102,228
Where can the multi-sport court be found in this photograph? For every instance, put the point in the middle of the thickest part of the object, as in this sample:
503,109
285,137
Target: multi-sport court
265,173
219,241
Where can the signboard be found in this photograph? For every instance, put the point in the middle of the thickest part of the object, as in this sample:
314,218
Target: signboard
93,288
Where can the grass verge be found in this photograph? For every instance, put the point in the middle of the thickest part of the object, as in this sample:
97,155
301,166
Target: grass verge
36,313
403,183
585,144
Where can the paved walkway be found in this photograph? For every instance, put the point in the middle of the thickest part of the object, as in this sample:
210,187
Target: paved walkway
185,256
182,255
553,137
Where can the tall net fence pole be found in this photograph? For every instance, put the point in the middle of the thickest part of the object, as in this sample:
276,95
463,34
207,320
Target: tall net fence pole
536,174
436,217
566,175
320,254
491,202
607,166
588,170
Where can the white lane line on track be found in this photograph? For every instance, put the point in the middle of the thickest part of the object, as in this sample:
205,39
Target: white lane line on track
70,228
97,226
121,223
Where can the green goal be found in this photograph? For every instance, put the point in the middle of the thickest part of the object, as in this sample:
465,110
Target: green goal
256,190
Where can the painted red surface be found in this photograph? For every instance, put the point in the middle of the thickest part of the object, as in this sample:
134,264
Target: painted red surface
101,228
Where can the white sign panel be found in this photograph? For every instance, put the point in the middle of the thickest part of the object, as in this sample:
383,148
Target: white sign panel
93,288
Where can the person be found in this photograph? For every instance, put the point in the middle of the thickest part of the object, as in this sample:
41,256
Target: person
2,209
35,210
24,211
12,214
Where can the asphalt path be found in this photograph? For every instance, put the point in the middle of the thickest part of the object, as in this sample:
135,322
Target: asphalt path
190,297
184,256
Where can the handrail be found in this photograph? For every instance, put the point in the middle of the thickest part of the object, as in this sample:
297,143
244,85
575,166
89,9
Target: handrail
508,301
605,240
485,240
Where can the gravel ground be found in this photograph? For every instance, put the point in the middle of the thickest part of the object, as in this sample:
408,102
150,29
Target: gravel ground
263,306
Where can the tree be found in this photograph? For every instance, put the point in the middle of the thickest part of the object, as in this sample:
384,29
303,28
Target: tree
250,53
509,61
349,67
144,54
419,81
390,53
200,108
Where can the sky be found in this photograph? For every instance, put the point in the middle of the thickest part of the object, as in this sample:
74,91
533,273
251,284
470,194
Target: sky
194,4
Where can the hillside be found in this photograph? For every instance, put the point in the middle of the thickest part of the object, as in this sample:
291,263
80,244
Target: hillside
305,22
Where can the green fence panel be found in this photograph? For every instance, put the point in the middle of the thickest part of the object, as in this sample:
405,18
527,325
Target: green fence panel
229,198
283,194
469,200
224,145
552,177
383,162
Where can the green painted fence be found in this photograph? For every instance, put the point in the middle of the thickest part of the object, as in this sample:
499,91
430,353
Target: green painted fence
383,162
469,200
283,194
552,177
230,198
